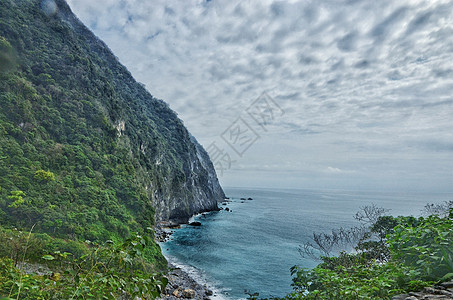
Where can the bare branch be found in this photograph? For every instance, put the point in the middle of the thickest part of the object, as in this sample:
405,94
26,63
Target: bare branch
442,209
325,243
369,214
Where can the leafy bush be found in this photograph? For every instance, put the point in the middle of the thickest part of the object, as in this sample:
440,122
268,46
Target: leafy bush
395,256
106,272
361,281
44,176
16,198
425,245
7,57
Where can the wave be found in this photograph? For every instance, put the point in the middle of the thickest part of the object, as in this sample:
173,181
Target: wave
199,277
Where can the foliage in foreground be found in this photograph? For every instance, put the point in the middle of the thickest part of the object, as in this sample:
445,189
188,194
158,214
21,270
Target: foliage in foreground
425,244
374,281
396,256
106,271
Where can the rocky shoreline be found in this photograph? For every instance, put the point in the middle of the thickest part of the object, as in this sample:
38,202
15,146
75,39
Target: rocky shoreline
182,286
440,291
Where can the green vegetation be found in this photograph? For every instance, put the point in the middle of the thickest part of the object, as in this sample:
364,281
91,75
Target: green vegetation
42,176
395,256
426,245
106,271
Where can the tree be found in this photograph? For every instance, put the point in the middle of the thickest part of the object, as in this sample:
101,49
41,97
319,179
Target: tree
7,57
44,176
17,198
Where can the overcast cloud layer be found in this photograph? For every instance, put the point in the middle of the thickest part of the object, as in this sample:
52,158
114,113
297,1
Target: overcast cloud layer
366,86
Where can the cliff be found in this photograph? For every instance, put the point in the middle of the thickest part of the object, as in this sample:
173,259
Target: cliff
86,152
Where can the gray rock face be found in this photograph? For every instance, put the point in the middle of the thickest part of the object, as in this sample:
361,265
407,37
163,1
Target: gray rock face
441,291
201,191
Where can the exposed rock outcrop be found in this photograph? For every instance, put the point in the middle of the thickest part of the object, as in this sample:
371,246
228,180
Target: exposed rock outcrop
441,291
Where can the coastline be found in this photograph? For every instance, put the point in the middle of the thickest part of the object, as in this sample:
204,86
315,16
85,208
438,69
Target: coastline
187,283
184,281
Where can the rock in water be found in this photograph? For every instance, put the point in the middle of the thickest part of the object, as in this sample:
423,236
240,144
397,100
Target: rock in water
195,224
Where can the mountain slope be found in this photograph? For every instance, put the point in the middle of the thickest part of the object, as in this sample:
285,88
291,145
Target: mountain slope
85,151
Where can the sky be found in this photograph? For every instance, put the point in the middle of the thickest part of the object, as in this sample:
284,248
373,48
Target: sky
342,94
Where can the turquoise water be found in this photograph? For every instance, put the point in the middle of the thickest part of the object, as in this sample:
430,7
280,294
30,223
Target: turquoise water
254,246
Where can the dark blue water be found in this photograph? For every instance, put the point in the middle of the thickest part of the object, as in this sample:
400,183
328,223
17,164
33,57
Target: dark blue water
254,246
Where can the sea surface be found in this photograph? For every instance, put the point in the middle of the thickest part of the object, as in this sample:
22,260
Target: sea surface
252,247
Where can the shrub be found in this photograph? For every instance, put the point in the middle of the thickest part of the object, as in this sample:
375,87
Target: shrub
44,176
109,271
425,245
396,255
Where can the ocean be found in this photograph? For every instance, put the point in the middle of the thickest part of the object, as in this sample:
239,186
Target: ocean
253,246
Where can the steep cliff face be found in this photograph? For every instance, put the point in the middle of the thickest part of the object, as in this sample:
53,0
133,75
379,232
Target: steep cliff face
199,193
118,157
202,184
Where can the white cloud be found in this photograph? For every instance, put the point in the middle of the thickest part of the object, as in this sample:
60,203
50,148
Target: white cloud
333,170
358,79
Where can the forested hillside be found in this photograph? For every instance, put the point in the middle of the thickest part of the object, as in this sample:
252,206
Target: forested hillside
86,153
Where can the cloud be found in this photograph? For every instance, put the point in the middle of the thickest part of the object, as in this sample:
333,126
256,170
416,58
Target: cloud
333,170
385,28
347,42
355,78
